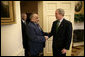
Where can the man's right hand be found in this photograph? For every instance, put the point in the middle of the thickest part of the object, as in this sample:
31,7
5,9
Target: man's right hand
46,37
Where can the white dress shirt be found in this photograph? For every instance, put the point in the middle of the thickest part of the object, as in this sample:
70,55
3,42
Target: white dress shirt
60,21
24,21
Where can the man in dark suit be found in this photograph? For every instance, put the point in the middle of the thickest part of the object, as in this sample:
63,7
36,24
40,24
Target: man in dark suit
62,34
36,36
25,33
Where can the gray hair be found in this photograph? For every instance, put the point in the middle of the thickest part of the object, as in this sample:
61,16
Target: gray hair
61,11
32,15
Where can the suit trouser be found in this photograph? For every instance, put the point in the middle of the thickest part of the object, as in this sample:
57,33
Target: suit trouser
57,52
26,52
39,54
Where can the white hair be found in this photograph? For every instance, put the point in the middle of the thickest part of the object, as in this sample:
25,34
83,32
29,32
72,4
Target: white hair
32,15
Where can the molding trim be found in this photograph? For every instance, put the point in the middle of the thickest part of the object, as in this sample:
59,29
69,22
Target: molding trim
20,52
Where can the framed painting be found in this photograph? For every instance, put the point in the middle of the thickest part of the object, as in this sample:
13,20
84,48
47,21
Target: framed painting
79,11
7,12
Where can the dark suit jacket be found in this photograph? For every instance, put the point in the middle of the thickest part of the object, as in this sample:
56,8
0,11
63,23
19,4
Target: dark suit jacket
36,39
61,38
24,36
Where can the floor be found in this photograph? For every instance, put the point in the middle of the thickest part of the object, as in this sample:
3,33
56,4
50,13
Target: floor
78,50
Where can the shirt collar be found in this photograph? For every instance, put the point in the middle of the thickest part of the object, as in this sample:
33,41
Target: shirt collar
23,21
61,20
33,22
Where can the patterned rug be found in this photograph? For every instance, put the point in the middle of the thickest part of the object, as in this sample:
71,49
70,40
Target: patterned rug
78,51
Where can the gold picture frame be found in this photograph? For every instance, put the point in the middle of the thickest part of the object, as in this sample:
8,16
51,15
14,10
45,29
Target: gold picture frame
7,12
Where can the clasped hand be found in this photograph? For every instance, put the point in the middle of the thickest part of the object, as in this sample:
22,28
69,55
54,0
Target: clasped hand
46,37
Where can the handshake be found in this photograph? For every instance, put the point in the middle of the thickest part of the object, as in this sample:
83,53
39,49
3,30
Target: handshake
46,37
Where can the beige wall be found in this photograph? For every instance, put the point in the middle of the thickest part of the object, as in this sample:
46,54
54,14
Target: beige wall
40,13
11,37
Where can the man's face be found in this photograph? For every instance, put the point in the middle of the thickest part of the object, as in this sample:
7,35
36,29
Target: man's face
57,15
24,17
35,18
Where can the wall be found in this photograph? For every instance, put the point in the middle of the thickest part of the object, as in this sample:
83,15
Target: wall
11,36
29,6
40,13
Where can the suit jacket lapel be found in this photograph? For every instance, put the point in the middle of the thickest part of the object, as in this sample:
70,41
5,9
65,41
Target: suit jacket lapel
37,28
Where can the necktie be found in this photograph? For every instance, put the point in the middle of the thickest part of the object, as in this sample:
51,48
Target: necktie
57,25
25,23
